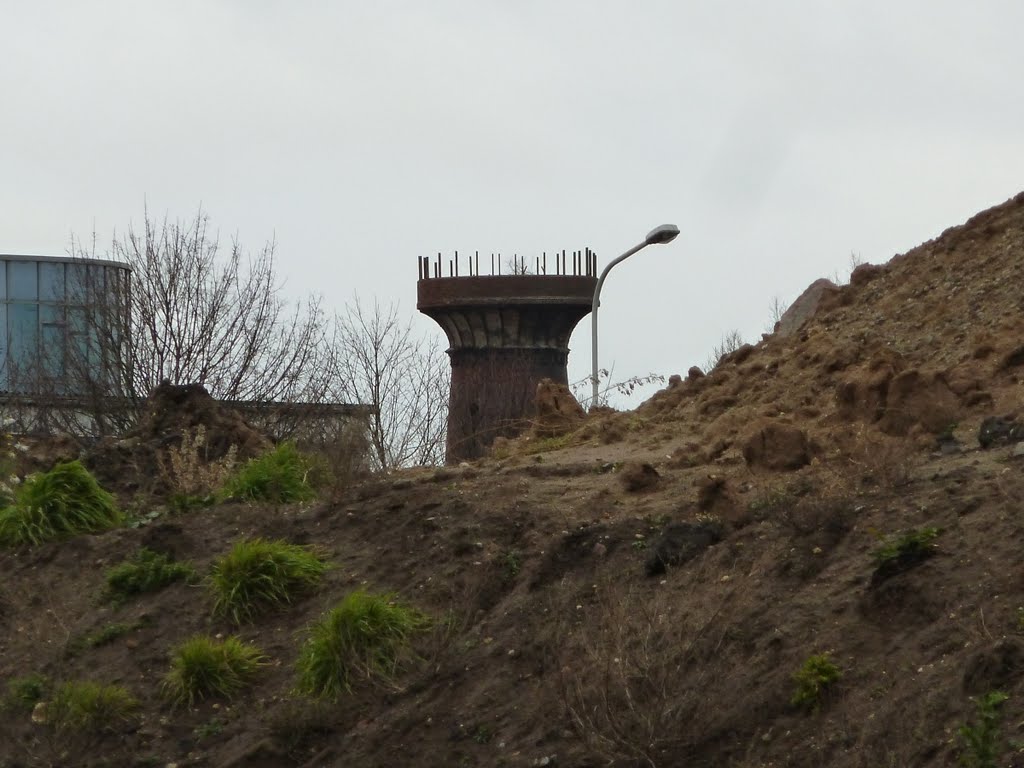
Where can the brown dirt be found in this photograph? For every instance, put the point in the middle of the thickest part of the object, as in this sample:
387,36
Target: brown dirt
554,646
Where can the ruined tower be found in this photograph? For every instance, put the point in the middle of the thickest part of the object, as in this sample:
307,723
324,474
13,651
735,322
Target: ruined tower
505,333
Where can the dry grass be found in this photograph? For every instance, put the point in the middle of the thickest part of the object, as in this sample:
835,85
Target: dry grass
188,470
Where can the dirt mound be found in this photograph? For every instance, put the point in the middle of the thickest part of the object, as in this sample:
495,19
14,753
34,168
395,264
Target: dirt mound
136,460
782,483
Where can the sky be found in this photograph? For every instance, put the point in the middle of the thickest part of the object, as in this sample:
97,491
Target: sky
781,138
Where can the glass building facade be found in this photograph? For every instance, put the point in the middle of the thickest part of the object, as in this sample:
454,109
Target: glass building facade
62,323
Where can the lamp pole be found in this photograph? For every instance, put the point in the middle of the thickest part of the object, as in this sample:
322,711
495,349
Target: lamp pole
666,233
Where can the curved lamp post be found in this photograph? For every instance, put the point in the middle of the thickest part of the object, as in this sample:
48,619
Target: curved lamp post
666,233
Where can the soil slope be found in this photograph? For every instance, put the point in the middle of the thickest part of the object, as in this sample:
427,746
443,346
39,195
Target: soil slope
640,591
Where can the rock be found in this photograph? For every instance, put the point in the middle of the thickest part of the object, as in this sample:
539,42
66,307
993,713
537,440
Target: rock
680,543
636,476
557,411
775,446
694,373
805,307
1000,430
919,397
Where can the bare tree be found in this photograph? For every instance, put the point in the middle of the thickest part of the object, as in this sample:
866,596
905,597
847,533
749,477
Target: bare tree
197,313
403,377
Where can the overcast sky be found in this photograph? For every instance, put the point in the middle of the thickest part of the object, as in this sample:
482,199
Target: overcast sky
780,137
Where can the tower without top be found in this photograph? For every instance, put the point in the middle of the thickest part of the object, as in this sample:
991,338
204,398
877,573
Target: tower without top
505,333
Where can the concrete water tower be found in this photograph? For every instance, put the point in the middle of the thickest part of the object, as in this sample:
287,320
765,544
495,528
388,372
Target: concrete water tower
505,333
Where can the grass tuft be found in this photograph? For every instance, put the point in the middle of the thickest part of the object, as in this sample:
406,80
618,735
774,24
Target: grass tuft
815,676
148,571
280,476
366,635
88,706
23,693
203,666
63,502
258,574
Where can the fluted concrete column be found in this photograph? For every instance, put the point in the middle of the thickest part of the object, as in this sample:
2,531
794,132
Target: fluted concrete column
505,334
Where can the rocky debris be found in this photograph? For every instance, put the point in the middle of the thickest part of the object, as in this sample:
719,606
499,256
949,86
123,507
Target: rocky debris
776,446
638,476
679,543
556,410
805,307
1000,430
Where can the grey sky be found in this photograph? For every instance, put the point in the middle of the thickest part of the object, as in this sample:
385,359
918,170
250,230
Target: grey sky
780,137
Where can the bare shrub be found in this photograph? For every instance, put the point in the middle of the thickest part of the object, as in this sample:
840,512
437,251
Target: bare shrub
730,343
631,676
884,461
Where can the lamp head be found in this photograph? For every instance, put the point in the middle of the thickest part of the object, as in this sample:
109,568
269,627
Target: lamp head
666,233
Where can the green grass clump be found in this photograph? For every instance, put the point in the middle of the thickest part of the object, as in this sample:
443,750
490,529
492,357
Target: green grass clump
65,501
815,676
903,552
258,574
203,666
148,571
983,742
366,635
89,706
23,693
281,476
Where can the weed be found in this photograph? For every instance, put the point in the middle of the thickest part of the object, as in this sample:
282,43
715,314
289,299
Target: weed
281,476
258,574
900,553
212,728
203,666
512,563
148,571
89,706
482,734
104,636
65,501
816,675
981,742
365,635
24,692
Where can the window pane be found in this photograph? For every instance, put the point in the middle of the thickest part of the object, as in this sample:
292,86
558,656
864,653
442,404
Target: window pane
3,285
53,356
24,343
3,347
76,286
22,282
50,314
51,282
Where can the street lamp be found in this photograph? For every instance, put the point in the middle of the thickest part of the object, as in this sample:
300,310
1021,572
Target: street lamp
666,233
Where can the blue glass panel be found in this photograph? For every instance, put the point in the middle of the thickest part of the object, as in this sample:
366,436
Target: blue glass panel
51,282
52,350
23,353
3,347
76,285
3,285
22,281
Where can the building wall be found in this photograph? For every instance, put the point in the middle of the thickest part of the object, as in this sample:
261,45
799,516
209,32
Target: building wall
62,322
